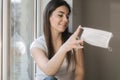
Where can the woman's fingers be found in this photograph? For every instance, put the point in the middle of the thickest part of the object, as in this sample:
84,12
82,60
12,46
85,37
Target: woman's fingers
74,41
77,32
79,44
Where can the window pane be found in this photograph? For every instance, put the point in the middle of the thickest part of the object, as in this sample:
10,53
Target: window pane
22,22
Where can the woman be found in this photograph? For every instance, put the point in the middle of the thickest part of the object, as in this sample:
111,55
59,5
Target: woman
57,53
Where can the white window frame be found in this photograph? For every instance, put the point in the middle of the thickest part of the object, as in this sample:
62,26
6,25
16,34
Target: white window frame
1,39
6,40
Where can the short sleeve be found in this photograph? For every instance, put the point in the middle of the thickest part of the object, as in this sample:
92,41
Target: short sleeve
39,43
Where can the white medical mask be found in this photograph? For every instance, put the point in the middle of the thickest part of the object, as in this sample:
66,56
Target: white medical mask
96,37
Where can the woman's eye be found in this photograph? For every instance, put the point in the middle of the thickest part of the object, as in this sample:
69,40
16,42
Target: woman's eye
60,15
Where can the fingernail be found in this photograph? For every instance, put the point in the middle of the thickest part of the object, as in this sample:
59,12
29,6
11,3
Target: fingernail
80,27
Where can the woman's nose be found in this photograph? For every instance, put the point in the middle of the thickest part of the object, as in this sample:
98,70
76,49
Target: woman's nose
65,19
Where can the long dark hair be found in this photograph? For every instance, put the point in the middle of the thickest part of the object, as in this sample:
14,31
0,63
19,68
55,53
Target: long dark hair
51,6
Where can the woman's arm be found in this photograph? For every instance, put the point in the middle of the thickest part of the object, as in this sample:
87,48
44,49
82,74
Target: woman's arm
79,66
49,67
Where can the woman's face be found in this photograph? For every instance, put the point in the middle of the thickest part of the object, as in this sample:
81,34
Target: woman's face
59,19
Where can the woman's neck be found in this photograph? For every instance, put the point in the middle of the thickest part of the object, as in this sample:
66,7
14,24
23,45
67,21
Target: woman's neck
56,35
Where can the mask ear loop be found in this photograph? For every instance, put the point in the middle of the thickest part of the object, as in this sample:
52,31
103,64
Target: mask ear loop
110,48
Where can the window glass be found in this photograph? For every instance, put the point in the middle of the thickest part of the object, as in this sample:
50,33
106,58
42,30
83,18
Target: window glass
22,22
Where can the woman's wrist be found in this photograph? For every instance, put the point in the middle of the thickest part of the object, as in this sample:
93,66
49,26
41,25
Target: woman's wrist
63,49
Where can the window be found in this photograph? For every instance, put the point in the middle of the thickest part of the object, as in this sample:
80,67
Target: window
22,24
17,18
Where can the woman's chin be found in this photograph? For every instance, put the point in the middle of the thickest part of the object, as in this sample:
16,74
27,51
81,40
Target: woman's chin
62,30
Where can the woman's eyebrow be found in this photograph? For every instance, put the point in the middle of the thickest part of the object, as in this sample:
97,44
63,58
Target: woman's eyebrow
63,12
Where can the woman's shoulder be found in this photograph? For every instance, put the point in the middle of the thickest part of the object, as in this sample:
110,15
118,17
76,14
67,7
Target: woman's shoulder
41,38
39,43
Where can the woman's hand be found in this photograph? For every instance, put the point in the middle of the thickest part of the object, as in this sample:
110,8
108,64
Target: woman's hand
73,41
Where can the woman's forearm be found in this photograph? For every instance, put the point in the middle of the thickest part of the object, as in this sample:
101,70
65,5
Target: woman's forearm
55,62
79,74
79,68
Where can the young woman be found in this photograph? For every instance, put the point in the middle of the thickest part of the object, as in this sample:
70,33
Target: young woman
58,53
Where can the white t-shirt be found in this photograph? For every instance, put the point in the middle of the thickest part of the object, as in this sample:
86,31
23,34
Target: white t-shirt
62,73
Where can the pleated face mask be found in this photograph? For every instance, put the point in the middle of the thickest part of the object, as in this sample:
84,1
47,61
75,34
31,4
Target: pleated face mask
96,37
